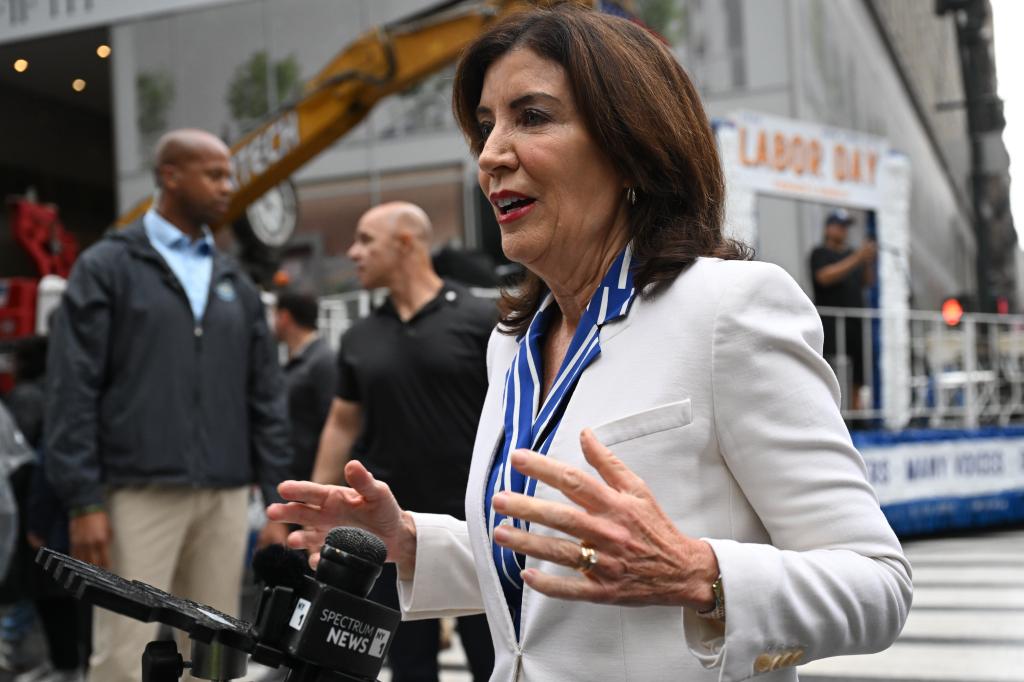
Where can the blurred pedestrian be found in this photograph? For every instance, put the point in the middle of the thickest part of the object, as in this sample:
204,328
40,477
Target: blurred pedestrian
165,401
411,384
310,375
27,400
63,618
841,273
16,465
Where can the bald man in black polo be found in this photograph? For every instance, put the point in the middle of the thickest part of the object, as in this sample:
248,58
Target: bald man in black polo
411,383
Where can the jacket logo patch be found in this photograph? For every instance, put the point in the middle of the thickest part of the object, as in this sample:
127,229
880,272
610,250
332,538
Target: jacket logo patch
226,291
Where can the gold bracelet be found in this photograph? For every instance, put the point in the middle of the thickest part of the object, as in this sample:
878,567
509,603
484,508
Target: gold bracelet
716,612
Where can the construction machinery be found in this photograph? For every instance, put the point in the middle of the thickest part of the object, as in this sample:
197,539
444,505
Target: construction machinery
385,60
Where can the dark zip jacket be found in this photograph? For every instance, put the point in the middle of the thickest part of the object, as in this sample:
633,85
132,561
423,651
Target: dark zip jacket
140,393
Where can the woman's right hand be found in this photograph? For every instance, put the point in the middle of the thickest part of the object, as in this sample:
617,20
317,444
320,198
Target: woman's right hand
367,504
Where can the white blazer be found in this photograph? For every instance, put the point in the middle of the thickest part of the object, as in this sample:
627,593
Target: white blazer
715,392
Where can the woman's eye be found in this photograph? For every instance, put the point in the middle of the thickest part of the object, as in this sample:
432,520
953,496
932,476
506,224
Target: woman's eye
532,118
485,128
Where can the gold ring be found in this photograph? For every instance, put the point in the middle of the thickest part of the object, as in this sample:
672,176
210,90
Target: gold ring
587,560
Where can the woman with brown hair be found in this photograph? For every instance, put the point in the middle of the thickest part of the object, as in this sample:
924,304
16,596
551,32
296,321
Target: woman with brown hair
661,430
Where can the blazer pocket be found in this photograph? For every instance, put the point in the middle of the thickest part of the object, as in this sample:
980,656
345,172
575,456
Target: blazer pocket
654,420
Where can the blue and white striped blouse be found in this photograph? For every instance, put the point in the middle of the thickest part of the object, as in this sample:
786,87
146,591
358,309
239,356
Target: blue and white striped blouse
528,424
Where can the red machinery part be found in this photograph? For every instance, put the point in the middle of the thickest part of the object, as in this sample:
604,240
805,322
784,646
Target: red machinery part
17,307
38,230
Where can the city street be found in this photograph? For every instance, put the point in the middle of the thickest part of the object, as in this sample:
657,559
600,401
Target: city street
967,621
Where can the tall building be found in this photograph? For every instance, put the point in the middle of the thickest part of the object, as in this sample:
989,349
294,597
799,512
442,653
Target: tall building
930,53
886,67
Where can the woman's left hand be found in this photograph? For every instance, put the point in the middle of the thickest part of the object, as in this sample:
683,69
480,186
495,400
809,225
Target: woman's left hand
642,558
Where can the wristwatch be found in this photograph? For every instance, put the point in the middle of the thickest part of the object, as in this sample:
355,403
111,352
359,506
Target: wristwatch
716,612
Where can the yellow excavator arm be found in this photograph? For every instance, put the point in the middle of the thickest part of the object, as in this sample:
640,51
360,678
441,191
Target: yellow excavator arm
385,60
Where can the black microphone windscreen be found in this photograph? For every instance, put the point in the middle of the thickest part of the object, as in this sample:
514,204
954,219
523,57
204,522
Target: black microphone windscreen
358,542
277,565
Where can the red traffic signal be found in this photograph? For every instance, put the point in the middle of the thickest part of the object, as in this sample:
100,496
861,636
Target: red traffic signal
952,311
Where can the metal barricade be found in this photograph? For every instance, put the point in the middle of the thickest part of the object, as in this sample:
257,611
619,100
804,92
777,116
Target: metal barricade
964,376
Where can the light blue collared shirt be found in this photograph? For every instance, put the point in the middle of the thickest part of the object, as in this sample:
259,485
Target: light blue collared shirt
191,262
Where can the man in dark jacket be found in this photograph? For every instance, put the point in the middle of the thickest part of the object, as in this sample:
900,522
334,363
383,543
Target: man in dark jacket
166,401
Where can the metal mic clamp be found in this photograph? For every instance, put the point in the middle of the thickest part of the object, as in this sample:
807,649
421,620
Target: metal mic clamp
161,662
214,661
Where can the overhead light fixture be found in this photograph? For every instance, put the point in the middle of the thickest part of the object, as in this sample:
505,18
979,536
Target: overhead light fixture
103,51
21,65
78,85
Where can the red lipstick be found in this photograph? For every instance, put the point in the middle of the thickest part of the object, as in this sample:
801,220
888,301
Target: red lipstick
511,206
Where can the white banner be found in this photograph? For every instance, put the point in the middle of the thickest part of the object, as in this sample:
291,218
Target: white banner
23,19
807,160
905,472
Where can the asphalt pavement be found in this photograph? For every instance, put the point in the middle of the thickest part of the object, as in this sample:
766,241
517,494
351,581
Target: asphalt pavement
966,623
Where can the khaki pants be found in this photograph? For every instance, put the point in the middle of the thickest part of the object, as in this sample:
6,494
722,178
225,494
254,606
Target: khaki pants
188,542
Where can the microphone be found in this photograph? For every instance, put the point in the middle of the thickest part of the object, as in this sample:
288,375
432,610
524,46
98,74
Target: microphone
351,560
313,624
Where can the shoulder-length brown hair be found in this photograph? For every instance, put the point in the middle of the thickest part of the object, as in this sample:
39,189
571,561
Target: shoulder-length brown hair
643,111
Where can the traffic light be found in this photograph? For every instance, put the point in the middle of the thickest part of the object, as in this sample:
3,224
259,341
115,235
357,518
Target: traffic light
952,311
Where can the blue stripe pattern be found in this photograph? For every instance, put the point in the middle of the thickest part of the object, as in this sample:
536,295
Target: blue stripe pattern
529,424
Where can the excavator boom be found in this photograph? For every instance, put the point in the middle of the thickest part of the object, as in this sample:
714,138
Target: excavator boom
385,60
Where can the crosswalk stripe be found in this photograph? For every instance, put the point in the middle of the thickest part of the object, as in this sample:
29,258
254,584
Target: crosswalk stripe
966,623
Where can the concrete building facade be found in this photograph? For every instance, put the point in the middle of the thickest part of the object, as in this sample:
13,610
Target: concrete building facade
882,67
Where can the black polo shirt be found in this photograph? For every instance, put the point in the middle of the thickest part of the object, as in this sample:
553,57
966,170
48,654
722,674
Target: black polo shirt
421,387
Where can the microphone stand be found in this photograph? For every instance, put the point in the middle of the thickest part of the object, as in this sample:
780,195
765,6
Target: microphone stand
314,627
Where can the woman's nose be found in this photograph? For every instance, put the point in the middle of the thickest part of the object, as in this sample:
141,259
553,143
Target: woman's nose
497,153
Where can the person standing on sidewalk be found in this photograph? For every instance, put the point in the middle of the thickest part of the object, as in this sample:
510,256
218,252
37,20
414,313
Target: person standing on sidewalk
841,273
310,375
411,383
166,402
